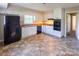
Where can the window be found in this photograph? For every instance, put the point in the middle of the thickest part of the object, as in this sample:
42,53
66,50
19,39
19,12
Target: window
28,19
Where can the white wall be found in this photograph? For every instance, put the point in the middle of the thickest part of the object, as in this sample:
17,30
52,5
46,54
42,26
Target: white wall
1,28
77,29
62,22
68,23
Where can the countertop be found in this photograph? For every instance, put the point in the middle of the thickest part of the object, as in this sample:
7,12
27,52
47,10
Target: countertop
31,25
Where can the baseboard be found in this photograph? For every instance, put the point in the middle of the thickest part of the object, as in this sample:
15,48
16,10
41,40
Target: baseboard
52,35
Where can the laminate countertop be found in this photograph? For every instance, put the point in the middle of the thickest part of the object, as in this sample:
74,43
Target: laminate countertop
31,25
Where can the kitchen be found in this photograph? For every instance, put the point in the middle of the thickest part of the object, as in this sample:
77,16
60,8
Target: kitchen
26,30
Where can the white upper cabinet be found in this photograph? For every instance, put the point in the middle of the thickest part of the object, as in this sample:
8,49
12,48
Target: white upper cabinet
57,13
3,5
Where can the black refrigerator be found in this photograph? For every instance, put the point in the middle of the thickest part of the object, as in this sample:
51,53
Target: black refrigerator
12,29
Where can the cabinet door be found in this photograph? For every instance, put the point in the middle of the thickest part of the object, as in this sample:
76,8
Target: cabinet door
28,31
49,29
44,29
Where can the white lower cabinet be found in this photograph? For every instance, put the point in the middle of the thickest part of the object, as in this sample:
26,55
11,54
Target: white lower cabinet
51,31
47,29
28,31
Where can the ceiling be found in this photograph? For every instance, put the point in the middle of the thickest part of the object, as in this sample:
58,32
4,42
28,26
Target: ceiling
45,6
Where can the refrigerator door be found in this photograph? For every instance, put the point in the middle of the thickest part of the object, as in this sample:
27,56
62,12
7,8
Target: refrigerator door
12,29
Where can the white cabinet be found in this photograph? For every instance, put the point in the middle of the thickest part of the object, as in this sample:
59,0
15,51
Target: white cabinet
28,31
3,5
44,29
49,30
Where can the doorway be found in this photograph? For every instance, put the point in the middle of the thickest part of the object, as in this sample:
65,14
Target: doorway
71,25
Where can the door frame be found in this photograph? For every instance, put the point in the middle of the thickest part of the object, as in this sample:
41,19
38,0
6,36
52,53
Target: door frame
65,35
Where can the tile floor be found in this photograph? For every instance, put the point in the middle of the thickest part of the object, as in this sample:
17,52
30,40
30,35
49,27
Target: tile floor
42,45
